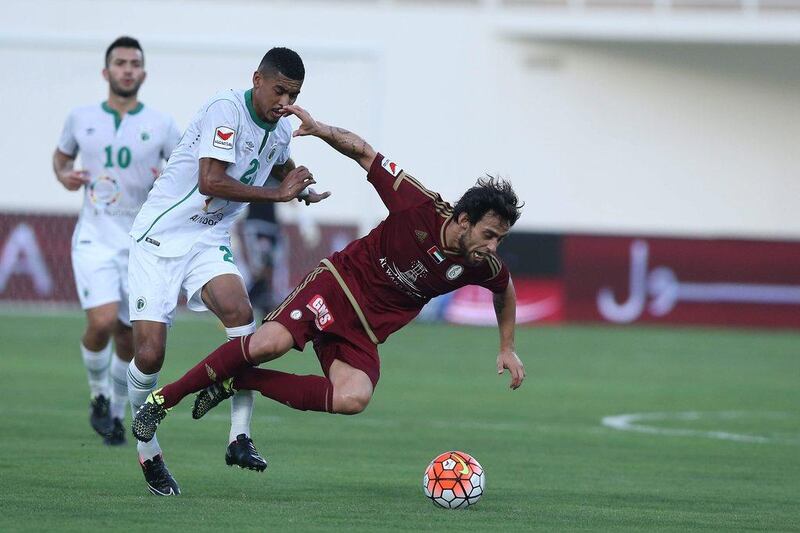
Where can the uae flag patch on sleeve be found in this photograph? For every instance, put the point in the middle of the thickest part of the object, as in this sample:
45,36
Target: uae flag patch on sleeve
436,254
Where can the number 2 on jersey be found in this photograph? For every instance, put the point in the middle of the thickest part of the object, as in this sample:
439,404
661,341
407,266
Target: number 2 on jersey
228,254
123,157
250,174
247,178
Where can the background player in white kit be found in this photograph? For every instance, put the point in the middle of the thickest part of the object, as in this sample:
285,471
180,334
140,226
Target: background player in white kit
122,145
181,237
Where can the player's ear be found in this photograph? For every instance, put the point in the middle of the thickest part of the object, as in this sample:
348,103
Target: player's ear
256,79
105,74
463,220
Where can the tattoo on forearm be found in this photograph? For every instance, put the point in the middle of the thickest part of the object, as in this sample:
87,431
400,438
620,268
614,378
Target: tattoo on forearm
499,301
347,142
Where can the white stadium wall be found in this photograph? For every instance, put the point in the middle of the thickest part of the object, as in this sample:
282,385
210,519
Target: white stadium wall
597,136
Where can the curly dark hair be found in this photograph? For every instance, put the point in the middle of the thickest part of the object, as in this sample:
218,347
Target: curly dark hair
123,42
285,61
489,194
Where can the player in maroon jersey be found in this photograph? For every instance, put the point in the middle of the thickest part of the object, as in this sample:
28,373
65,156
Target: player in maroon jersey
357,297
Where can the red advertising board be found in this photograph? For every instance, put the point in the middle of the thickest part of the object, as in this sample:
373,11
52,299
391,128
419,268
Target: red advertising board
538,300
35,258
35,261
719,282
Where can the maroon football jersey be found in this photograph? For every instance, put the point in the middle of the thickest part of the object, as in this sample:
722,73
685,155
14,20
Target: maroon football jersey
401,264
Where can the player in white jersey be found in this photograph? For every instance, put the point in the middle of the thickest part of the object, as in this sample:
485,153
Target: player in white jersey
181,237
122,145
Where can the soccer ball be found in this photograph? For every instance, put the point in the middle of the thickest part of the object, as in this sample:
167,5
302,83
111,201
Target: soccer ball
454,480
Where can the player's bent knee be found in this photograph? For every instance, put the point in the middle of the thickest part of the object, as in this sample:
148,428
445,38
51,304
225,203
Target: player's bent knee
242,314
102,324
350,402
149,357
269,341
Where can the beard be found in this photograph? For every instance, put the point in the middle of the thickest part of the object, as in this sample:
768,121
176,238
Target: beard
124,93
463,250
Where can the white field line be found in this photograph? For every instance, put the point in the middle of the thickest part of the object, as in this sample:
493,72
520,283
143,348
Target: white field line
632,422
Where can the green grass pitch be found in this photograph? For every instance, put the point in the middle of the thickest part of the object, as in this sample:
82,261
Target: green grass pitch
550,463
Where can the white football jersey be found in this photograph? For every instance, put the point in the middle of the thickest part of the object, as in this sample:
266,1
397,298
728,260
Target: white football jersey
175,215
122,158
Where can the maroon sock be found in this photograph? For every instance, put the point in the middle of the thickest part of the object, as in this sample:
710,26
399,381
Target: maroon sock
224,362
305,393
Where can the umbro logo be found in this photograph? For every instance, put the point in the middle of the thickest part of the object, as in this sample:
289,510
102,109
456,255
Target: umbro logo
421,235
211,374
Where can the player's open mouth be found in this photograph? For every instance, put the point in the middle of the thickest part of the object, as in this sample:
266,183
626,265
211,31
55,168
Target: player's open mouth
477,256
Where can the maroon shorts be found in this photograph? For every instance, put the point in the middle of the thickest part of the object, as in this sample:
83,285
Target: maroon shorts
318,310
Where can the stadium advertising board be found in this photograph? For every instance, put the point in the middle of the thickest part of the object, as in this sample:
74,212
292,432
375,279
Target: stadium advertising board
575,277
35,262
688,281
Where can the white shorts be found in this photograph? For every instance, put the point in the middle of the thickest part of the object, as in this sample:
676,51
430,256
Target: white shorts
157,282
101,277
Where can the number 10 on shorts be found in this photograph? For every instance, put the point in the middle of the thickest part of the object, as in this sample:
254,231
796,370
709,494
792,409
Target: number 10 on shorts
318,306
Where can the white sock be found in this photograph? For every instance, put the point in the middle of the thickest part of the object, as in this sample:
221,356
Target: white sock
119,387
139,386
241,411
242,401
96,364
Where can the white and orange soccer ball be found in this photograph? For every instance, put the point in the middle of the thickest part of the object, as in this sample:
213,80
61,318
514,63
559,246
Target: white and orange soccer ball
454,480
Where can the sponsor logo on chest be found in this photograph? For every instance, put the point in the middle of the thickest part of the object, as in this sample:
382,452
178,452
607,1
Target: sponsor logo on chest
405,280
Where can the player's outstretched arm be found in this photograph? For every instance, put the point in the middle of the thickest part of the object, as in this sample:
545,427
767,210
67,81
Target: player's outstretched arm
213,181
505,307
345,142
71,179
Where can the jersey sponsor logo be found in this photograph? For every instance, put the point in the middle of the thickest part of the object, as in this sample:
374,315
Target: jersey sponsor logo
323,317
391,167
104,191
454,271
223,137
272,152
405,279
152,241
436,254
421,235
296,314
207,220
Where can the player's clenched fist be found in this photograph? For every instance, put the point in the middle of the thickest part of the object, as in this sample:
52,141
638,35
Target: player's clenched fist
294,183
74,179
